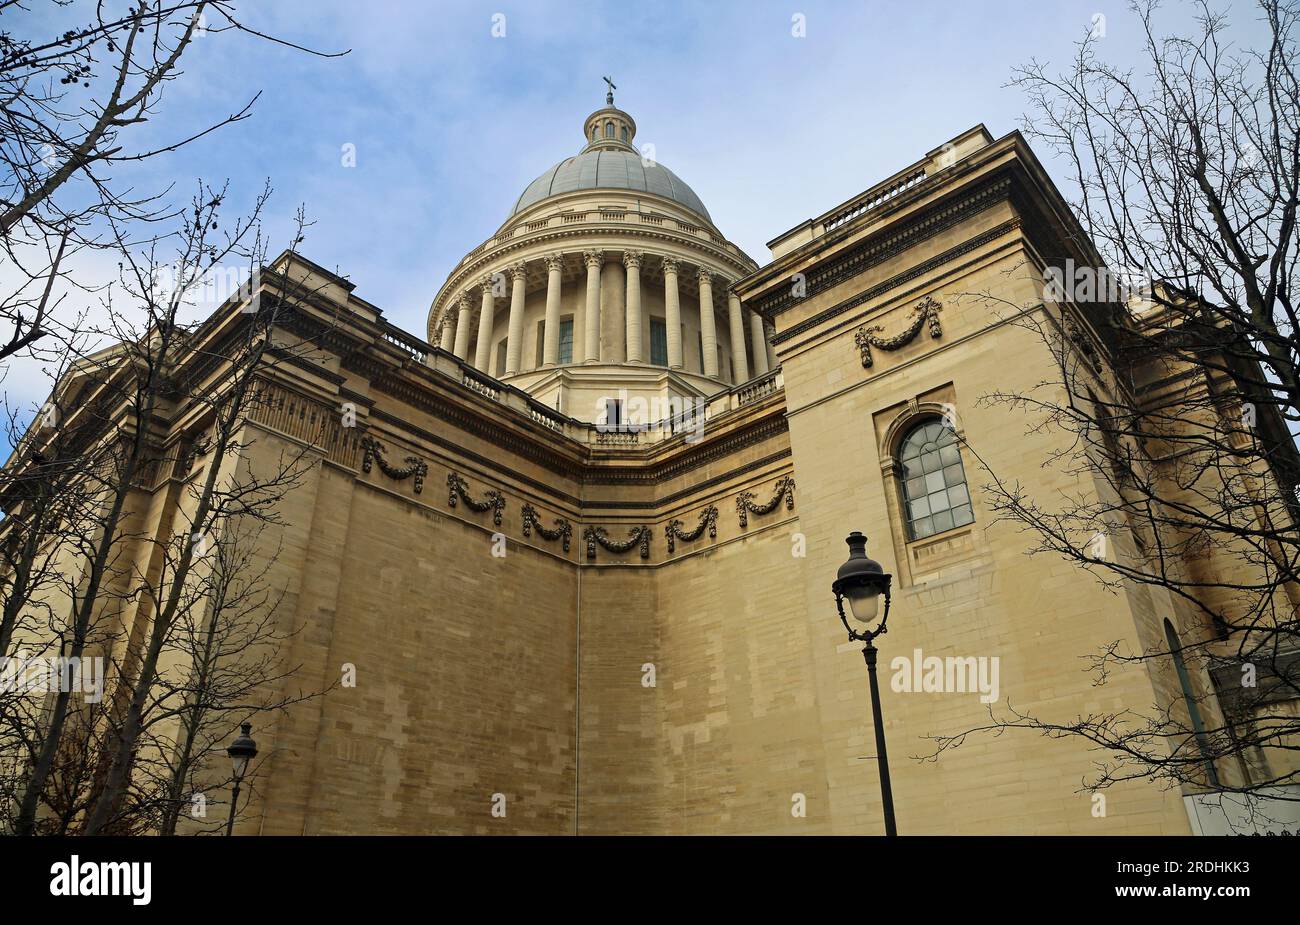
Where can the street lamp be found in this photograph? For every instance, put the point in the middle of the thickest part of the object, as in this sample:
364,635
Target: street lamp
863,582
241,752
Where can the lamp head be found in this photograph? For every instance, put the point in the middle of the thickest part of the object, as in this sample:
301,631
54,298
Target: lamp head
862,581
242,750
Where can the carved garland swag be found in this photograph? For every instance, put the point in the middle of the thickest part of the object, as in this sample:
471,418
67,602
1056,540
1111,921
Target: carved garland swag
533,521
637,536
745,501
373,452
925,312
458,490
708,518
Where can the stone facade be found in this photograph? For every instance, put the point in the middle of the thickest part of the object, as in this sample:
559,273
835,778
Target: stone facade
657,649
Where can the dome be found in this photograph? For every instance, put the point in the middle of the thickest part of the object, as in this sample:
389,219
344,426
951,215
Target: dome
609,168
611,161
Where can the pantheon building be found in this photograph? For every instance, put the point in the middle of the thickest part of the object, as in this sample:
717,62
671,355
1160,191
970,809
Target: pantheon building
574,548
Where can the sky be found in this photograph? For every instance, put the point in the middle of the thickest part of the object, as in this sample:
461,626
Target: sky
450,119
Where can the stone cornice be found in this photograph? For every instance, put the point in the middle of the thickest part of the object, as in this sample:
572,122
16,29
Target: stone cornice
878,248
695,489
897,280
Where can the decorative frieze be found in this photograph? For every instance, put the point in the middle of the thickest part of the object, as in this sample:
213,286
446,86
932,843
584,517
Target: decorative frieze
745,501
458,490
563,530
637,536
925,313
708,520
373,452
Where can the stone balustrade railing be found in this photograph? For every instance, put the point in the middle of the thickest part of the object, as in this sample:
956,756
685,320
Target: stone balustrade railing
418,349
871,198
690,420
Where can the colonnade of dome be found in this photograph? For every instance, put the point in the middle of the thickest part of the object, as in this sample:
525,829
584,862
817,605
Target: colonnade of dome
608,273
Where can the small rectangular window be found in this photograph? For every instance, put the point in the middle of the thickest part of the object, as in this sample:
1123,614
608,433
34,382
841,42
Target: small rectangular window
541,344
658,342
501,359
566,340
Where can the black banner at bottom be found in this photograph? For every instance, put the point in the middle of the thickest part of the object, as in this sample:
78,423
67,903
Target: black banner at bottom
337,875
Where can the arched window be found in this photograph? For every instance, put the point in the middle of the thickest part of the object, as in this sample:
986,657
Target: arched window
609,129
935,497
1189,697
625,134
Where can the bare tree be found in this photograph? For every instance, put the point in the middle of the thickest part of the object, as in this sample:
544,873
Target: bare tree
73,491
202,596
132,380
1177,395
70,102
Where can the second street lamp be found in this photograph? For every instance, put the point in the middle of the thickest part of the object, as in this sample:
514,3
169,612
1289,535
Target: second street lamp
863,582
241,752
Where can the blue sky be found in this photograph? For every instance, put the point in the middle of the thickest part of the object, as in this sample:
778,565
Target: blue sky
450,123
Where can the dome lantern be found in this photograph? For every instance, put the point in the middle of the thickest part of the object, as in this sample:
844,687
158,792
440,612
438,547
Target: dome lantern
609,129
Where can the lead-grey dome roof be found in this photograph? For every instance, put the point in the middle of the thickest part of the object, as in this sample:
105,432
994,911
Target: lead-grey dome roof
606,169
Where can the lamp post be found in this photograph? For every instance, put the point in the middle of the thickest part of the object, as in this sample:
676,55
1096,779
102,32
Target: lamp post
241,752
862,581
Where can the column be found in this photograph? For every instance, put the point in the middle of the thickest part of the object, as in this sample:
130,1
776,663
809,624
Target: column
736,322
483,352
770,329
672,313
462,328
613,320
447,339
515,331
708,327
591,351
758,342
551,326
632,263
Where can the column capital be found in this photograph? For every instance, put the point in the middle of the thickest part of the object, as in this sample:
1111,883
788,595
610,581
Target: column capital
632,259
518,271
486,281
670,263
705,276
554,262
465,302
593,259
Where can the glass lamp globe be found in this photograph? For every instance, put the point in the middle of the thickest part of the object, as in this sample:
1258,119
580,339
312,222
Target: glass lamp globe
861,581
